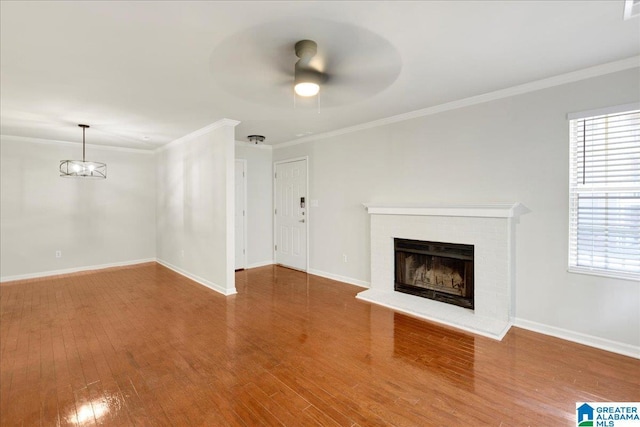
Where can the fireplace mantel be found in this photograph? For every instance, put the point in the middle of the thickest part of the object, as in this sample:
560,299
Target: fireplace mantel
489,227
484,210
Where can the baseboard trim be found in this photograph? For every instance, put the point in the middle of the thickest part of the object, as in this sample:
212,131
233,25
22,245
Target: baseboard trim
339,278
580,338
204,282
259,264
65,271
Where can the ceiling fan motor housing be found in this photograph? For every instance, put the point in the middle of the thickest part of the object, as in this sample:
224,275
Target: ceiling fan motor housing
308,75
306,49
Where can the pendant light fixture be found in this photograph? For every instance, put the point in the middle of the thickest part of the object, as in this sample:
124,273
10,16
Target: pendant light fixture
83,168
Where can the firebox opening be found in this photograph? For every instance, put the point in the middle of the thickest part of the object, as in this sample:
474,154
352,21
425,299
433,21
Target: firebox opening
435,270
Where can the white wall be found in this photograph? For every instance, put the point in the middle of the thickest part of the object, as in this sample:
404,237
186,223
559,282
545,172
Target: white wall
195,206
259,203
509,150
94,223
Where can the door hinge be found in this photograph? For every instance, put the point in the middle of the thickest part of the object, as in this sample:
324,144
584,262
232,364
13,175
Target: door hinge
242,213
243,252
275,175
276,247
275,211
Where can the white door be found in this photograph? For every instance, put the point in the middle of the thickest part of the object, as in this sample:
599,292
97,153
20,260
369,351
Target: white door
291,214
241,261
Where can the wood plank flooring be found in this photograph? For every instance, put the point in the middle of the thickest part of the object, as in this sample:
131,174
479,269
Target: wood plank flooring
144,346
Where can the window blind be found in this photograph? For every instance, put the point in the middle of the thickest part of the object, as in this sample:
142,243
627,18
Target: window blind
604,191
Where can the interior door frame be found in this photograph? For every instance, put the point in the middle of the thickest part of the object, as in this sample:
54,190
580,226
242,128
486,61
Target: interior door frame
308,210
246,213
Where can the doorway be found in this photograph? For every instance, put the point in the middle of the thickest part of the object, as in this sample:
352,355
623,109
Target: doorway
291,219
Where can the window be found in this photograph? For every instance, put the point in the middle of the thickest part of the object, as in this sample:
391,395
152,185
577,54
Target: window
604,192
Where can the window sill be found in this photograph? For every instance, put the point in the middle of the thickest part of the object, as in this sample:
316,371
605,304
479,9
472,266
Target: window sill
605,273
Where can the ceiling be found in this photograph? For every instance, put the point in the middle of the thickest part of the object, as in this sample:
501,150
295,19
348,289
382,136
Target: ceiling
145,73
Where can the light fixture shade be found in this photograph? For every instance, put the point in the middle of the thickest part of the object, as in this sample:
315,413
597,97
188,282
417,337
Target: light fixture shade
83,169
307,89
307,81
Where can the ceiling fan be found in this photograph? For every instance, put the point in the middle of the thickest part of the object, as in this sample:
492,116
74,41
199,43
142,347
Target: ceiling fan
342,63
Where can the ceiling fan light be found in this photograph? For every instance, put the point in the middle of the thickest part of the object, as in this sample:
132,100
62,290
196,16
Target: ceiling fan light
307,88
307,80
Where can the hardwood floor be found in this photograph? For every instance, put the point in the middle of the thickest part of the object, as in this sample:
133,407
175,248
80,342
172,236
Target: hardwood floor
145,346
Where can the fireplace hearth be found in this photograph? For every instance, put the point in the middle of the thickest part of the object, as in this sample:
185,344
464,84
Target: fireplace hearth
435,270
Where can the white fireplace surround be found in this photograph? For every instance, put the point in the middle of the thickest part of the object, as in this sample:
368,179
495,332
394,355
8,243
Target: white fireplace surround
488,227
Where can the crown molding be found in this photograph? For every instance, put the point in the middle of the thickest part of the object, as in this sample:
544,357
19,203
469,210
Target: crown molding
32,140
575,76
202,131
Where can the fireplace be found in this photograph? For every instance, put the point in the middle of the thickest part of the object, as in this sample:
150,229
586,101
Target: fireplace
489,228
435,270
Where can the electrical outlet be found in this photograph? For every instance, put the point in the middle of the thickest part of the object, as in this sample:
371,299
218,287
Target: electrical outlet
344,257
58,254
